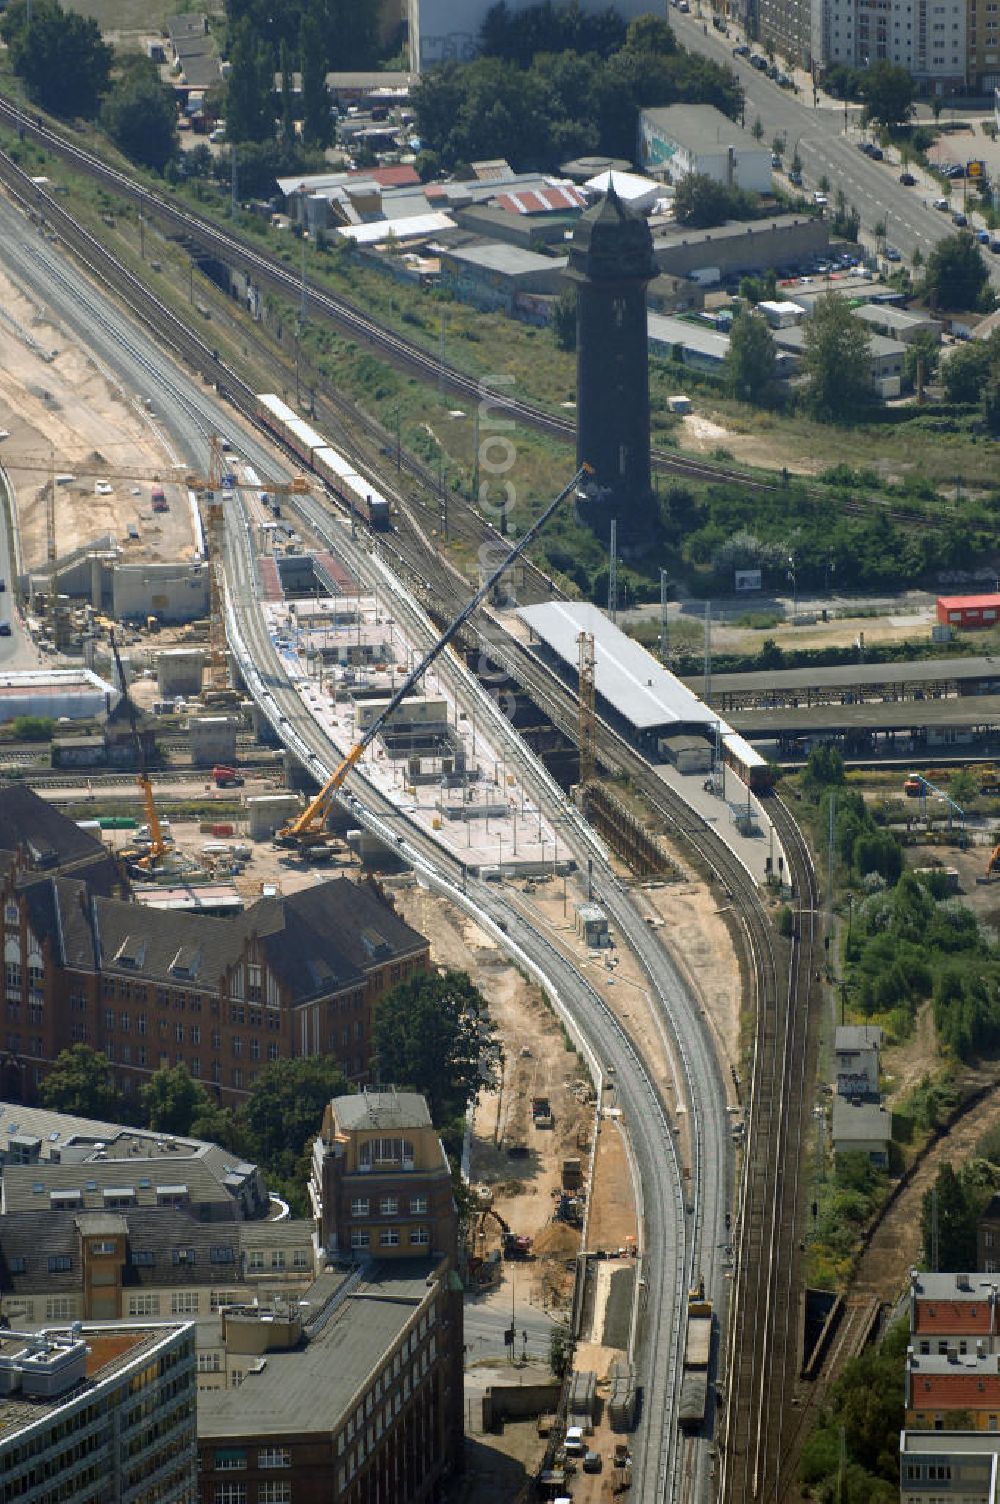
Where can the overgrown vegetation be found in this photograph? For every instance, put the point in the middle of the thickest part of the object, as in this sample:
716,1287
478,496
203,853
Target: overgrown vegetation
865,1406
555,83
845,1202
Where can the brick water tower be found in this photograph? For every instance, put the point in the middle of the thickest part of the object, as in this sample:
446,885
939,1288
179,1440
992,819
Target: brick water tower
611,263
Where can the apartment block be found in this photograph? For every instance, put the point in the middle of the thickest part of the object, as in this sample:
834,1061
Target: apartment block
984,45
292,976
98,1415
380,1184
954,1313
928,37
942,1389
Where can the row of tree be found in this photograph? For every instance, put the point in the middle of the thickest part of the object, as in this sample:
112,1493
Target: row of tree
537,111
432,1034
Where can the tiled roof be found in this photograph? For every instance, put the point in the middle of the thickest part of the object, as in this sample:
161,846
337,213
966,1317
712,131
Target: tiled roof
954,1317
207,1253
958,1390
321,940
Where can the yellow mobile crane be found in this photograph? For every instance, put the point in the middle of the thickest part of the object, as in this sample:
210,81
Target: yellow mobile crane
309,828
150,860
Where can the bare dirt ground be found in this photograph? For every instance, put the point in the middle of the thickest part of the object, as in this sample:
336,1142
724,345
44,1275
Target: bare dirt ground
58,410
703,435
840,633
906,1064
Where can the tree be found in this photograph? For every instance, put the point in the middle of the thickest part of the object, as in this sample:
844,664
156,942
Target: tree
433,1034
757,129
956,1223
956,275
824,766
249,111
81,1082
174,1102
837,362
651,34
966,371
701,202
750,361
61,56
923,350
140,116
887,90
316,125
284,1111
287,101
564,319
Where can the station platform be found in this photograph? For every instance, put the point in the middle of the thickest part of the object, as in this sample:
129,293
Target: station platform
736,815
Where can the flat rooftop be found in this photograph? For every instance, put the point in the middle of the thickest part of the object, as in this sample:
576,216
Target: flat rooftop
111,1352
310,1388
628,677
878,715
847,675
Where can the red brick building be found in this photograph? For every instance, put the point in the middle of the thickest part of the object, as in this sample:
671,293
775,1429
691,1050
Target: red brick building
292,976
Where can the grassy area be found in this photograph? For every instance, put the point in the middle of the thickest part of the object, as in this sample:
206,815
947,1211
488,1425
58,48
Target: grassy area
138,15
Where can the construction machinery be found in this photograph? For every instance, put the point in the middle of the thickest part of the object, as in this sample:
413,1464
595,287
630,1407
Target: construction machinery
151,859
308,829
513,1246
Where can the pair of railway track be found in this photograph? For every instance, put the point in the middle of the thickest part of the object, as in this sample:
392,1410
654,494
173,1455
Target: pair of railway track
354,322
763,1349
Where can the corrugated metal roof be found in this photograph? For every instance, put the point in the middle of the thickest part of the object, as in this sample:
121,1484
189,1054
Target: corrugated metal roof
628,677
543,200
969,602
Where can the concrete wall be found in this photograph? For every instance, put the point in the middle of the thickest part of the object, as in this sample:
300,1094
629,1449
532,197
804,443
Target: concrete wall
265,812
179,671
516,1401
754,247
172,592
213,739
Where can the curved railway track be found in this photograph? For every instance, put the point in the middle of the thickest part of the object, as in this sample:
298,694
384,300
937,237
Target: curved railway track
352,320
762,1350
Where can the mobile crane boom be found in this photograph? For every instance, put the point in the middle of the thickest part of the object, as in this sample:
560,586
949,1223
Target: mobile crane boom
308,828
157,845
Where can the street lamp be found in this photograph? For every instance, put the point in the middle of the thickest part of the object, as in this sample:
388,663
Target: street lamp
791,576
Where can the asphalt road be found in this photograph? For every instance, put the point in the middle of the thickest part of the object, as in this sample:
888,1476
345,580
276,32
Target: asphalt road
818,134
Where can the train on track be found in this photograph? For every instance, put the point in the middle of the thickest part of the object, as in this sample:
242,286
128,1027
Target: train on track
757,773
337,472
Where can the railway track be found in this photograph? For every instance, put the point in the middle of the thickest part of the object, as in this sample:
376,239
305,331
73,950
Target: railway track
353,321
761,1311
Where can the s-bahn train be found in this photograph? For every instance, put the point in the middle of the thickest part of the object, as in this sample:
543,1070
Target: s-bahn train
358,494
755,770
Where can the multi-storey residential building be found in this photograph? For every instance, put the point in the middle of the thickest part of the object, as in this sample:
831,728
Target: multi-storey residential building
380,1183
442,31
941,1389
983,39
150,1263
957,1313
928,37
292,976
55,1160
99,1416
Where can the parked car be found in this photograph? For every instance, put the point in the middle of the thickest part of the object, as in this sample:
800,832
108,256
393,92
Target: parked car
958,218
820,199
943,204
775,159
742,50
891,254
907,179
4,628
995,247
877,154
795,177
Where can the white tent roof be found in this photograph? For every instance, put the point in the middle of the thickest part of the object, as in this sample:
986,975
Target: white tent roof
638,192
412,227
